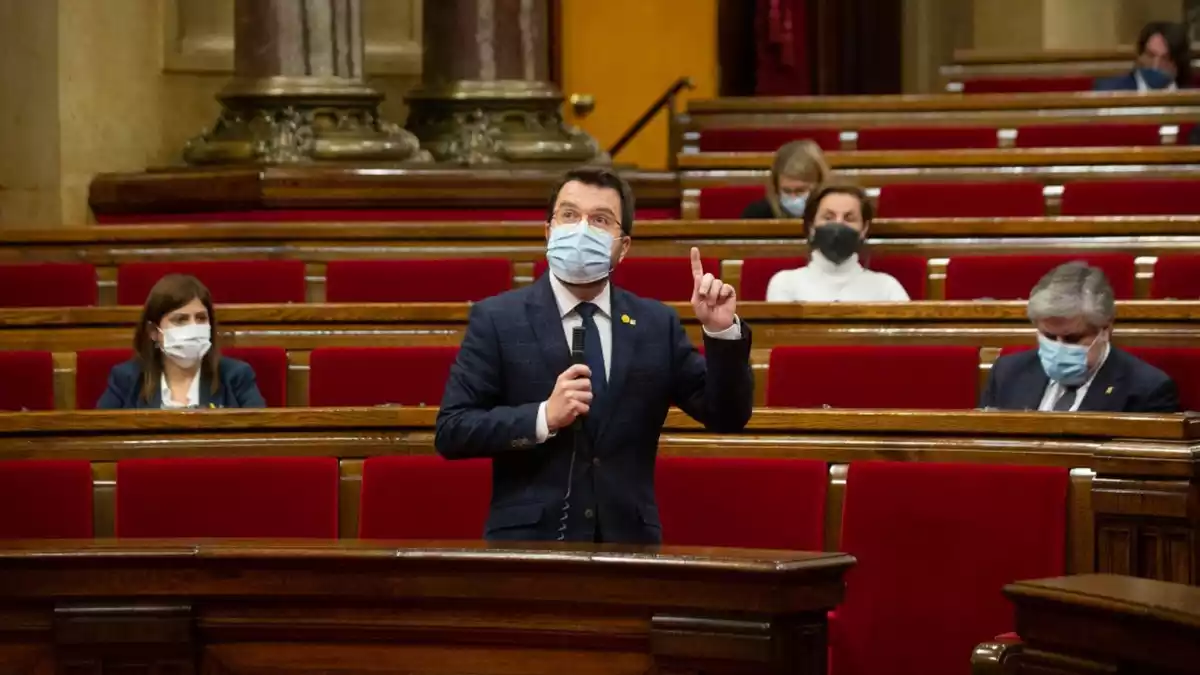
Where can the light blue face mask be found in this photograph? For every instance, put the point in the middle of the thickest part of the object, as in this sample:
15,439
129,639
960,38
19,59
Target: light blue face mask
1064,363
579,254
793,204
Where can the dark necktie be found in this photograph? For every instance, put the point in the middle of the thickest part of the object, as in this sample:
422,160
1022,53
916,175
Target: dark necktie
1067,399
593,354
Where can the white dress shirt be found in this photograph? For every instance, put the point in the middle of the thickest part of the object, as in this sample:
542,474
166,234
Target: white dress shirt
822,281
193,396
571,319
1055,390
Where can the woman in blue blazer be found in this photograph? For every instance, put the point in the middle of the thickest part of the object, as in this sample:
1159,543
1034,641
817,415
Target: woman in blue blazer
176,362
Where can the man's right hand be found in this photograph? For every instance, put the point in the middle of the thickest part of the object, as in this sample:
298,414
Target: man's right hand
571,398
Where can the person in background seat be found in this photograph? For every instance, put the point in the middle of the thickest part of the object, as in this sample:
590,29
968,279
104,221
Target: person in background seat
176,362
1075,367
1164,61
836,222
799,167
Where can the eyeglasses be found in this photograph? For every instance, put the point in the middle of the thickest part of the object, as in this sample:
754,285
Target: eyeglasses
602,220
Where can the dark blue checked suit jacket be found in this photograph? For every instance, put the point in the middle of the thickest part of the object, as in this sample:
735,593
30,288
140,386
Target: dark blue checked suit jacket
513,352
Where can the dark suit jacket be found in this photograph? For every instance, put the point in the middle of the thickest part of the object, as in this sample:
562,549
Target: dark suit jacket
238,388
513,352
1124,384
759,210
1126,82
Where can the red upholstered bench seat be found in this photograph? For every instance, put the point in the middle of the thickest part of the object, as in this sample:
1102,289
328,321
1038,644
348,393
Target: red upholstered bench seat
371,376
47,285
26,380
1009,199
765,139
424,497
427,215
45,499
727,202
1012,277
229,281
909,270
1161,197
418,280
664,279
1176,277
1182,364
1018,85
1088,135
926,138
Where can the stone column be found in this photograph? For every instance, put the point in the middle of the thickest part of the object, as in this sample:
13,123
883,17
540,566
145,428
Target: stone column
485,94
298,92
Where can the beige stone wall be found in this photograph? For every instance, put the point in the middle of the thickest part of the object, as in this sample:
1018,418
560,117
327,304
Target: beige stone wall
91,86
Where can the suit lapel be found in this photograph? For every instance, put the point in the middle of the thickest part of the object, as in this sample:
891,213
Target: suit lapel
1107,392
205,391
624,346
1033,387
548,327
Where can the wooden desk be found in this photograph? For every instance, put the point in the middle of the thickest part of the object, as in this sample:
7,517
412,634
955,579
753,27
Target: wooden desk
1098,624
1130,508
352,607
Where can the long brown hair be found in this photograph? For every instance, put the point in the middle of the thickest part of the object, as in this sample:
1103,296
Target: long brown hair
169,294
797,159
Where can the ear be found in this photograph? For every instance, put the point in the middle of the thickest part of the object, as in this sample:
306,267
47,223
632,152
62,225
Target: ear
623,248
154,332
547,231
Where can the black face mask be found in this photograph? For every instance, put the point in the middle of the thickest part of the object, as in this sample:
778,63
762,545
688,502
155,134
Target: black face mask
836,241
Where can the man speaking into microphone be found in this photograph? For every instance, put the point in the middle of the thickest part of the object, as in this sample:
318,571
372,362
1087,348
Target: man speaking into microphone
573,444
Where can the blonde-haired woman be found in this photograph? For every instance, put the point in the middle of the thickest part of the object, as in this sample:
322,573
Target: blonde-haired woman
799,167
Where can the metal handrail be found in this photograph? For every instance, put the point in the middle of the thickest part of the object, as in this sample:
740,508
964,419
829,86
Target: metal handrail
667,99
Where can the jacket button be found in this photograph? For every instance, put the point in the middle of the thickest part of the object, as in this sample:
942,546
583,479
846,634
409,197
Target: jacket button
589,514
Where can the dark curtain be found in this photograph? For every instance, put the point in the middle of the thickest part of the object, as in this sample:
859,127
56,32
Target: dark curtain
783,64
737,48
856,46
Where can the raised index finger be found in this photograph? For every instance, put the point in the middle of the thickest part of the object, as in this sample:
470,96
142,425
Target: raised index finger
697,266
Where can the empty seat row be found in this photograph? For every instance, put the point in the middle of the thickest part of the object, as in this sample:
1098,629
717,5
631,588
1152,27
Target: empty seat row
759,139
925,590
1007,199
797,377
968,277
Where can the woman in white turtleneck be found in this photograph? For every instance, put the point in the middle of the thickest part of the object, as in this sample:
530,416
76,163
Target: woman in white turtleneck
836,218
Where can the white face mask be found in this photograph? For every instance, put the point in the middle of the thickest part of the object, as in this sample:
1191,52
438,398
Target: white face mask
186,345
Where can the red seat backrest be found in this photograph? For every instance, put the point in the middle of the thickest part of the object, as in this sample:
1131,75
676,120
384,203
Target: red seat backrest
229,281
1016,199
912,377
370,376
1087,135
926,138
47,285
909,270
265,497
270,366
1018,85
727,202
1164,197
432,280
1176,277
765,140
936,544
665,279
26,380
92,368
45,499
424,497
742,503
1182,364
1012,277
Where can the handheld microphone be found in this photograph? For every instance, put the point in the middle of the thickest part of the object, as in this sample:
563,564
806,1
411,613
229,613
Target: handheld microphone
577,337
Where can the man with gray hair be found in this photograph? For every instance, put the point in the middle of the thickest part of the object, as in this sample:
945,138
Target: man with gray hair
1075,367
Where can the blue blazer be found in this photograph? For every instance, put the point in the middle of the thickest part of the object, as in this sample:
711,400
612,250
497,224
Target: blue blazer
1125,383
237,389
1126,82
513,352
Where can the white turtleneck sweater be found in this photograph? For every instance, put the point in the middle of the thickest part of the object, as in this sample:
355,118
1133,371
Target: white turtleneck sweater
823,281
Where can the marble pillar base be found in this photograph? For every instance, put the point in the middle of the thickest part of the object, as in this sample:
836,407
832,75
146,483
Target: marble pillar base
478,123
282,120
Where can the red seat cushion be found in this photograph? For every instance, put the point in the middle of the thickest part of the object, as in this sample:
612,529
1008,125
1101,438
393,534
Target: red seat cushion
1181,364
433,280
926,138
46,499
1131,198
369,376
240,497
663,279
742,503
1018,85
26,380
1014,199
1087,135
1012,277
424,497
935,544
230,281
270,366
92,368
1176,277
765,140
912,377
430,215
47,285
909,270
727,202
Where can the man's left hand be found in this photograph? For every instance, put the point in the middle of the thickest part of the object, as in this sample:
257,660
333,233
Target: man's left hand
713,300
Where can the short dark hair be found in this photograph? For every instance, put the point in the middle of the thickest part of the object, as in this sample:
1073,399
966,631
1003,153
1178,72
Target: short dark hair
822,191
1179,46
603,177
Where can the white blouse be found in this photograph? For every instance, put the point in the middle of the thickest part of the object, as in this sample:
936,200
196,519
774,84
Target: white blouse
193,397
822,281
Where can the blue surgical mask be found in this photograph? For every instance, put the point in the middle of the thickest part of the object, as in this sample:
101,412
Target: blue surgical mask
579,254
793,204
1064,363
1154,78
